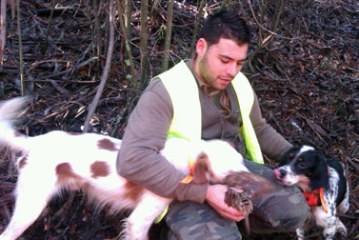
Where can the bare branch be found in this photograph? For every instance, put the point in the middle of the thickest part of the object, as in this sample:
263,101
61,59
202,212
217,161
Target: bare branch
93,105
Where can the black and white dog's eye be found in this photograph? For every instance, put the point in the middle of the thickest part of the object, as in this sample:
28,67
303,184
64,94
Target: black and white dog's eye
302,164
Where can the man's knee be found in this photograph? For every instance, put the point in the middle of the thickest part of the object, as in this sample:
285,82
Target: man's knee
293,211
188,220
284,211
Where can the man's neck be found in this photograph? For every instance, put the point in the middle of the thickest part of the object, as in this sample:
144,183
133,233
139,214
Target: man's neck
207,89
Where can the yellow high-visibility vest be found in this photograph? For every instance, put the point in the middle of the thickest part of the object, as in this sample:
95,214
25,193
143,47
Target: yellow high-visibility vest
187,116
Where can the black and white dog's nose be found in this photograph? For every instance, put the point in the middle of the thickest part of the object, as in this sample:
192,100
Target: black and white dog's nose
282,173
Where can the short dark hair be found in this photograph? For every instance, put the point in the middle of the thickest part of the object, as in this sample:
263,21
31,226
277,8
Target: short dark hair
225,24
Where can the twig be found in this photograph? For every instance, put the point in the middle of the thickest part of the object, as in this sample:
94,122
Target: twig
2,29
144,42
69,70
57,80
21,54
126,35
60,89
353,165
97,28
105,73
196,25
266,29
49,25
168,34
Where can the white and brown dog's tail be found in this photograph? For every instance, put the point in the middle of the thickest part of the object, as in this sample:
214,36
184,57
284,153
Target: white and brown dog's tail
10,112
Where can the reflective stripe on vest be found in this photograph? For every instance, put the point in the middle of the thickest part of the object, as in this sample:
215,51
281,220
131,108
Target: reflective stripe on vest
187,116
245,98
183,90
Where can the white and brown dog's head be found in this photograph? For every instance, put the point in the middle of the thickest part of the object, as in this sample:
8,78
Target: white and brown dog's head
304,167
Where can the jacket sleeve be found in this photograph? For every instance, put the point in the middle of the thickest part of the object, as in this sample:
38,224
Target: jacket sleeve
273,144
139,159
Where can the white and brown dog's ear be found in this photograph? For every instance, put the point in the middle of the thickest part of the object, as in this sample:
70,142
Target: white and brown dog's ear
202,170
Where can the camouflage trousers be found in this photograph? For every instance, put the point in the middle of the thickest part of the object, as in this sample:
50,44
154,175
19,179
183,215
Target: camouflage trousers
282,210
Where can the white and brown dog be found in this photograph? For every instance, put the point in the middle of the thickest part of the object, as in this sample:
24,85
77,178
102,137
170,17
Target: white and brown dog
323,184
58,161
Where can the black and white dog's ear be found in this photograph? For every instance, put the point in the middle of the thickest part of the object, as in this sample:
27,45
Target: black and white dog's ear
288,156
319,176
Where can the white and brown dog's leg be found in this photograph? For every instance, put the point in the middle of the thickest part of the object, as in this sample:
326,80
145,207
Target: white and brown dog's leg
32,196
242,185
138,224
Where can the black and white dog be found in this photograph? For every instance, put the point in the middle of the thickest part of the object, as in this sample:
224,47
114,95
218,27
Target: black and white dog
323,184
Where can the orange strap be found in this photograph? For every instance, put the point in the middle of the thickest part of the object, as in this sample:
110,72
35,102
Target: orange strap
316,198
186,179
321,195
189,178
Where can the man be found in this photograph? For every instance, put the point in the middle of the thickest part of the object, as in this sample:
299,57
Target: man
168,107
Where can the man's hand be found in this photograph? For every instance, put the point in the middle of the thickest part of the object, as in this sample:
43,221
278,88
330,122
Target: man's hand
215,198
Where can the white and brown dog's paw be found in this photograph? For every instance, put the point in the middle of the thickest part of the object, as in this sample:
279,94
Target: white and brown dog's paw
242,187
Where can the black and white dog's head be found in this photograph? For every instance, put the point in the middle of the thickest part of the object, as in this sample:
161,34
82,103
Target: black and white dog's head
323,184
304,167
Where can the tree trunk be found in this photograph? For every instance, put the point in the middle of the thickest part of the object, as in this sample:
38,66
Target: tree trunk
144,42
168,35
196,26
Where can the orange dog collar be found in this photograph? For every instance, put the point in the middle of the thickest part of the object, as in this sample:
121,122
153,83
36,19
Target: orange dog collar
316,198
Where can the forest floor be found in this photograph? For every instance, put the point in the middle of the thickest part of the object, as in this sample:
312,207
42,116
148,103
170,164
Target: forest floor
306,76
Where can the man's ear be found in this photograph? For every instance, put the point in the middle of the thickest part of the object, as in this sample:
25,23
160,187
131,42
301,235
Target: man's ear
201,47
202,169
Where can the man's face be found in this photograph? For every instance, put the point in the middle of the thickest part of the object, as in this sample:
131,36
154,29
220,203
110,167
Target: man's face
217,64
